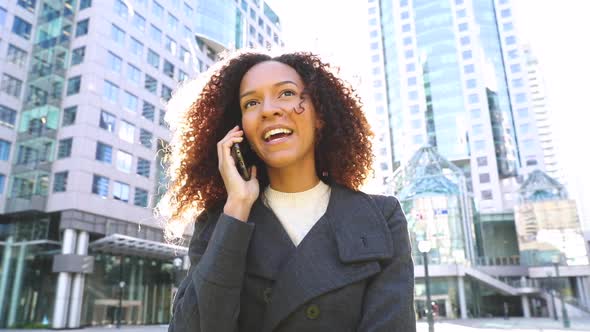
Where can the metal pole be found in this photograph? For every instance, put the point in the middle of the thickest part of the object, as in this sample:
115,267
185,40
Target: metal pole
566,319
121,285
428,301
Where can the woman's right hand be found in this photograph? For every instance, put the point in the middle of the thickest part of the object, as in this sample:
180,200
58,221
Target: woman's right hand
241,194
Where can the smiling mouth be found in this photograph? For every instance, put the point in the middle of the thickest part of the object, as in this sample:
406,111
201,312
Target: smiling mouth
277,134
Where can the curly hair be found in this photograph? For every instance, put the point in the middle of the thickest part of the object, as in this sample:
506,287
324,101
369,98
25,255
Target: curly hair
201,115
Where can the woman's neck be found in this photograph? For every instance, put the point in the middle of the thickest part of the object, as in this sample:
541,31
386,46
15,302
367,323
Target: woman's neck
293,179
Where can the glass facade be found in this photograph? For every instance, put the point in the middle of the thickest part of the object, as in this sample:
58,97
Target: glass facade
213,19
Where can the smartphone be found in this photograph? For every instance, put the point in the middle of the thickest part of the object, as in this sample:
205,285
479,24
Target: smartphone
238,156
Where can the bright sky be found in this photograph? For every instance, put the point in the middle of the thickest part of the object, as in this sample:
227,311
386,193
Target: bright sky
556,29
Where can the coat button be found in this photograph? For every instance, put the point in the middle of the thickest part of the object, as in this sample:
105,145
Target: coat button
312,311
266,294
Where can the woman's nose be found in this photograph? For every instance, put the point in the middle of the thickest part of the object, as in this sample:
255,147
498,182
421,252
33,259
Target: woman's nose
270,108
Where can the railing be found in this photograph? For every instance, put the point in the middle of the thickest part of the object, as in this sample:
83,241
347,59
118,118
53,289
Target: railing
500,260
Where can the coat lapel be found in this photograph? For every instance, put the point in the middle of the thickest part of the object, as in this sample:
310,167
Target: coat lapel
343,247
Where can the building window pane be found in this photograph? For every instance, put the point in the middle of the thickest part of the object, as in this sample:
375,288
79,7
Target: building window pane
505,12
486,195
73,85
141,197
145,138
473,98
85,4
100,185
110,92
121,9
69,116
155,34
7,116
136,47
21,28
172,23
476,113
162,119
151,84
11,85
133,74
484,178
60,181
27,4
117,35
124,161
82,27
2,16
2,176
166,92
467,54
522,112
157,9
469,69
463,26
114,62
78,56
107,121
515,68
168,69
121,191
138,21
482,161
143,167
465,40
104,152
16,55
153,59
510,40
148,111
64,148
127,131
471,83
131,102
4,149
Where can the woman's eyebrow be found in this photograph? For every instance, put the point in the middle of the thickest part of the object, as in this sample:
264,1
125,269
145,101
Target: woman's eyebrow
275,85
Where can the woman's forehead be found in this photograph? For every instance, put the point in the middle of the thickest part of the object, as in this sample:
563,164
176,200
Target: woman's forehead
268,73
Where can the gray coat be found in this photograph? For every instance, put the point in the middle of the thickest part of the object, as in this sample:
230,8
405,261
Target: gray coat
352,272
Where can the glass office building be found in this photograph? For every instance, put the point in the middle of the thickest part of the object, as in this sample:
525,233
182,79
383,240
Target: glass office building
82,135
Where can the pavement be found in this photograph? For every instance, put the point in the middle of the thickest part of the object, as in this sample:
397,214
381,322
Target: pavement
468,325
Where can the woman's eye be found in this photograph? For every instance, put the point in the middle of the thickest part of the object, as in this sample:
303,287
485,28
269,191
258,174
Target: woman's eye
249,104
288,93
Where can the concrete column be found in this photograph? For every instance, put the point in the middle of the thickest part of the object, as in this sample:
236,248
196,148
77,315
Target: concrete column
78,284
64,279
462,302
526,308
17,286
5,274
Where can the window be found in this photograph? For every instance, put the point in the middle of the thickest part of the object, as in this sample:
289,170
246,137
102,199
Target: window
480,145
2,16
127,131
170,45
414,109
515,68
60,181
16,55
521,97
409,54
78,56
155,34
11,85
114,62
186,33
121,9
407,40
373,21
166,92
418,139
465,40
412,81
476,113
517,82
172,23
484,178
410,67
107,121
510,40
73,85
2,176
141,197
124,161
375,58
69,116
151,84
482,161
486,194
413,95
85,4
508,26
64,148
473,98
121,191
82,27
525,128
157,9
145,138
143,167
406,27
188,11
130,102
138,21
416,123
148,111
405,15
469,69
182,75
136,47
513,54
168,69
4,149
477,129
505,12
100,185
162,119
461,13
528,143
21,28
522,112
27,4
104,152
7,116
184,55
471,83
463,27
153,59
117,35
467,54
252,14
110,92
133,74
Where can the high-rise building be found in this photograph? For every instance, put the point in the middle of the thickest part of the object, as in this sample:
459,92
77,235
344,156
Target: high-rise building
83,88
459,143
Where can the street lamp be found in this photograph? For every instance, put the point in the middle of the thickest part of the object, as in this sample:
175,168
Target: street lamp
566,319
424,248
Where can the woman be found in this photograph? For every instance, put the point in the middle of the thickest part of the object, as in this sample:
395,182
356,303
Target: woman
296,247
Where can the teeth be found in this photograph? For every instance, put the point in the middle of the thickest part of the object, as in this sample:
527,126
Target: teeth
276,131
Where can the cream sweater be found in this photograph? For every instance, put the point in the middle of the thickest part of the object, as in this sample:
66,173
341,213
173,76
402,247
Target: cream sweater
298,212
